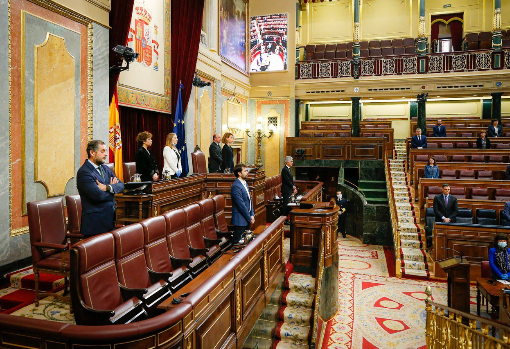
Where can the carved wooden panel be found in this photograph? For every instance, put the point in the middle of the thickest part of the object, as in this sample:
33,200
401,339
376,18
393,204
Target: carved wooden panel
214,331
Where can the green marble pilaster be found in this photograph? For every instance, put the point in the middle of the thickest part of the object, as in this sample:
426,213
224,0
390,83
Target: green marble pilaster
496,105
356,116
487,109
307,112
422,117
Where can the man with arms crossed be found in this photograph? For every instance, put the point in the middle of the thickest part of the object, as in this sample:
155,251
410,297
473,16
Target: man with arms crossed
97,186
215,157
242,207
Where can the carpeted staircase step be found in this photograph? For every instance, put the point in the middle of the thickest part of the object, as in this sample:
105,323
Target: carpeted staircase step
422,274
411,243
289,345
292,333
301,283
298,299
410,236
295,315
412,265
412,254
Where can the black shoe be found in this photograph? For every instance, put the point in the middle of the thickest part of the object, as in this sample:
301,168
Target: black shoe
344,236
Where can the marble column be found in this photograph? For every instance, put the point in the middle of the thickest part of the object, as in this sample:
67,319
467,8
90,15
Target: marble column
307,112
297,119
422,115
496,27
496,105
355,39
422,34
356,116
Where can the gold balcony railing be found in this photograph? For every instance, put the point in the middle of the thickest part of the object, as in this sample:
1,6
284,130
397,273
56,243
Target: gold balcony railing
449,328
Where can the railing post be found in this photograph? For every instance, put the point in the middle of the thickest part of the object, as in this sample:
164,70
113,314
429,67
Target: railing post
496,27
422,35
356,116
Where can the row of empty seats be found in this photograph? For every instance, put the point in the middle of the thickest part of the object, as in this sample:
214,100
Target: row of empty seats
374,48
462,158
471,193
483,40
465,174
463,144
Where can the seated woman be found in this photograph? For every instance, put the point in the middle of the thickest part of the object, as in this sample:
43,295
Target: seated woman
145,163
499,256
171,156
227,152
483,142
431,170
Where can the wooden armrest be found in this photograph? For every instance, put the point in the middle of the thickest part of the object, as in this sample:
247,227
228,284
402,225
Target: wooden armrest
211,242
156,276
50,245
198,251
128,293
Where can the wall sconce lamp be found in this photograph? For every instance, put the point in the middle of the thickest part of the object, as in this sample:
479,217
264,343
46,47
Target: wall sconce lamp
259,135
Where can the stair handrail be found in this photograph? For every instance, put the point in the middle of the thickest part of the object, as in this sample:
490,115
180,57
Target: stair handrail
450,328
357,188
393,215
319,284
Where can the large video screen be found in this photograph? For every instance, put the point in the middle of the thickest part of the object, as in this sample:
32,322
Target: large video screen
268,43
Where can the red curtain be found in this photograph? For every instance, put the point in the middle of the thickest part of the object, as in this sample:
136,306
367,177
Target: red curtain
134,121
456,30
120,19
186,29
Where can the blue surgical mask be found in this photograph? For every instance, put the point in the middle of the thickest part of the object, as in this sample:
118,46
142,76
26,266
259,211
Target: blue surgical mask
502,244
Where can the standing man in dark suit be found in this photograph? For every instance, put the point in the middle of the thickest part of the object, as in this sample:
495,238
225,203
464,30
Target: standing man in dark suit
507,173
419,141
242,206
446,206
495,130
97,186
439,130
288,187
215,156
342,203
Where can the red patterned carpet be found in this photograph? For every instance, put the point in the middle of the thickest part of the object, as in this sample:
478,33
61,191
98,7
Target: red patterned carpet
376,309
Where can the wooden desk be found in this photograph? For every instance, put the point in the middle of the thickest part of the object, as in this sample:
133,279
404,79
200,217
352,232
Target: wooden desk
490,293
199,280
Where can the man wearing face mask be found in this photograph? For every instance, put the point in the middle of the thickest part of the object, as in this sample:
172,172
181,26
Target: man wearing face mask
342,203
499,257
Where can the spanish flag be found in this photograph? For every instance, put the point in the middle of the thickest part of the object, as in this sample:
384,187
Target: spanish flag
115,139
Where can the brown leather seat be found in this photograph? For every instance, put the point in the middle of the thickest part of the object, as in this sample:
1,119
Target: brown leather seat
340,54
363,45
397,51
111,166
484,175
157,255
219,209
447,145
330,47
479,194
495,158
458,158
48,241
448,174
73,204
440,158
341,46
466,174
129,171
211,236
502,146
178,243
195,235
132,269
459,192
96,292
386,43
374,44
421,157
502,195
408,42
387,51
198,160
478,158
462,145
344,134
397,43
433,191
432,145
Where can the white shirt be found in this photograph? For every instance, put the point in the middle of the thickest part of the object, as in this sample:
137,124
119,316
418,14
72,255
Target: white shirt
245,185
171,162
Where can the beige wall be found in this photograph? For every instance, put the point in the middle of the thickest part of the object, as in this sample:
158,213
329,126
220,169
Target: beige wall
446,109
325,22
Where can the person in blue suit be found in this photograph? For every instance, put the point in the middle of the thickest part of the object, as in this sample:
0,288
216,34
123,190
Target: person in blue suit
498,257
439,130
419,141
242,206
495,130
97,186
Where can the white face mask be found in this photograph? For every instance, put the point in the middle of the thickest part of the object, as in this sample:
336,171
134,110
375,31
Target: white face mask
339,196
502,244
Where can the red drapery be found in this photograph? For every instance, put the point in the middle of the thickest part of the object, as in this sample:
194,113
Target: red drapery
454,21
138,120
186,28
120,19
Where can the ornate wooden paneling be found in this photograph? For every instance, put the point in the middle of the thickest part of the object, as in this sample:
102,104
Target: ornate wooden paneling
342,148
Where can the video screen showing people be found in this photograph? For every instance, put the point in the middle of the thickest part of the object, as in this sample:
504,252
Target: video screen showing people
268,43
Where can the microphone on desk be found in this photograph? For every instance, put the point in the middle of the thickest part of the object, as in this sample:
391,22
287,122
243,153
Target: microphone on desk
460,253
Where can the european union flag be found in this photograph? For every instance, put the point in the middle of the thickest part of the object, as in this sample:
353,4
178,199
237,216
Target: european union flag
181,134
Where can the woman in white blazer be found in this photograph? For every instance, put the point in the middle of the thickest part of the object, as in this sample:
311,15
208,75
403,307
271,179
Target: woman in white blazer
171,157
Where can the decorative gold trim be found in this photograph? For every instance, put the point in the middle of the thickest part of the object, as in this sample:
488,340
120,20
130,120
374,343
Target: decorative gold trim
64,11
90,81
23,192
101,5
238,303
19,231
